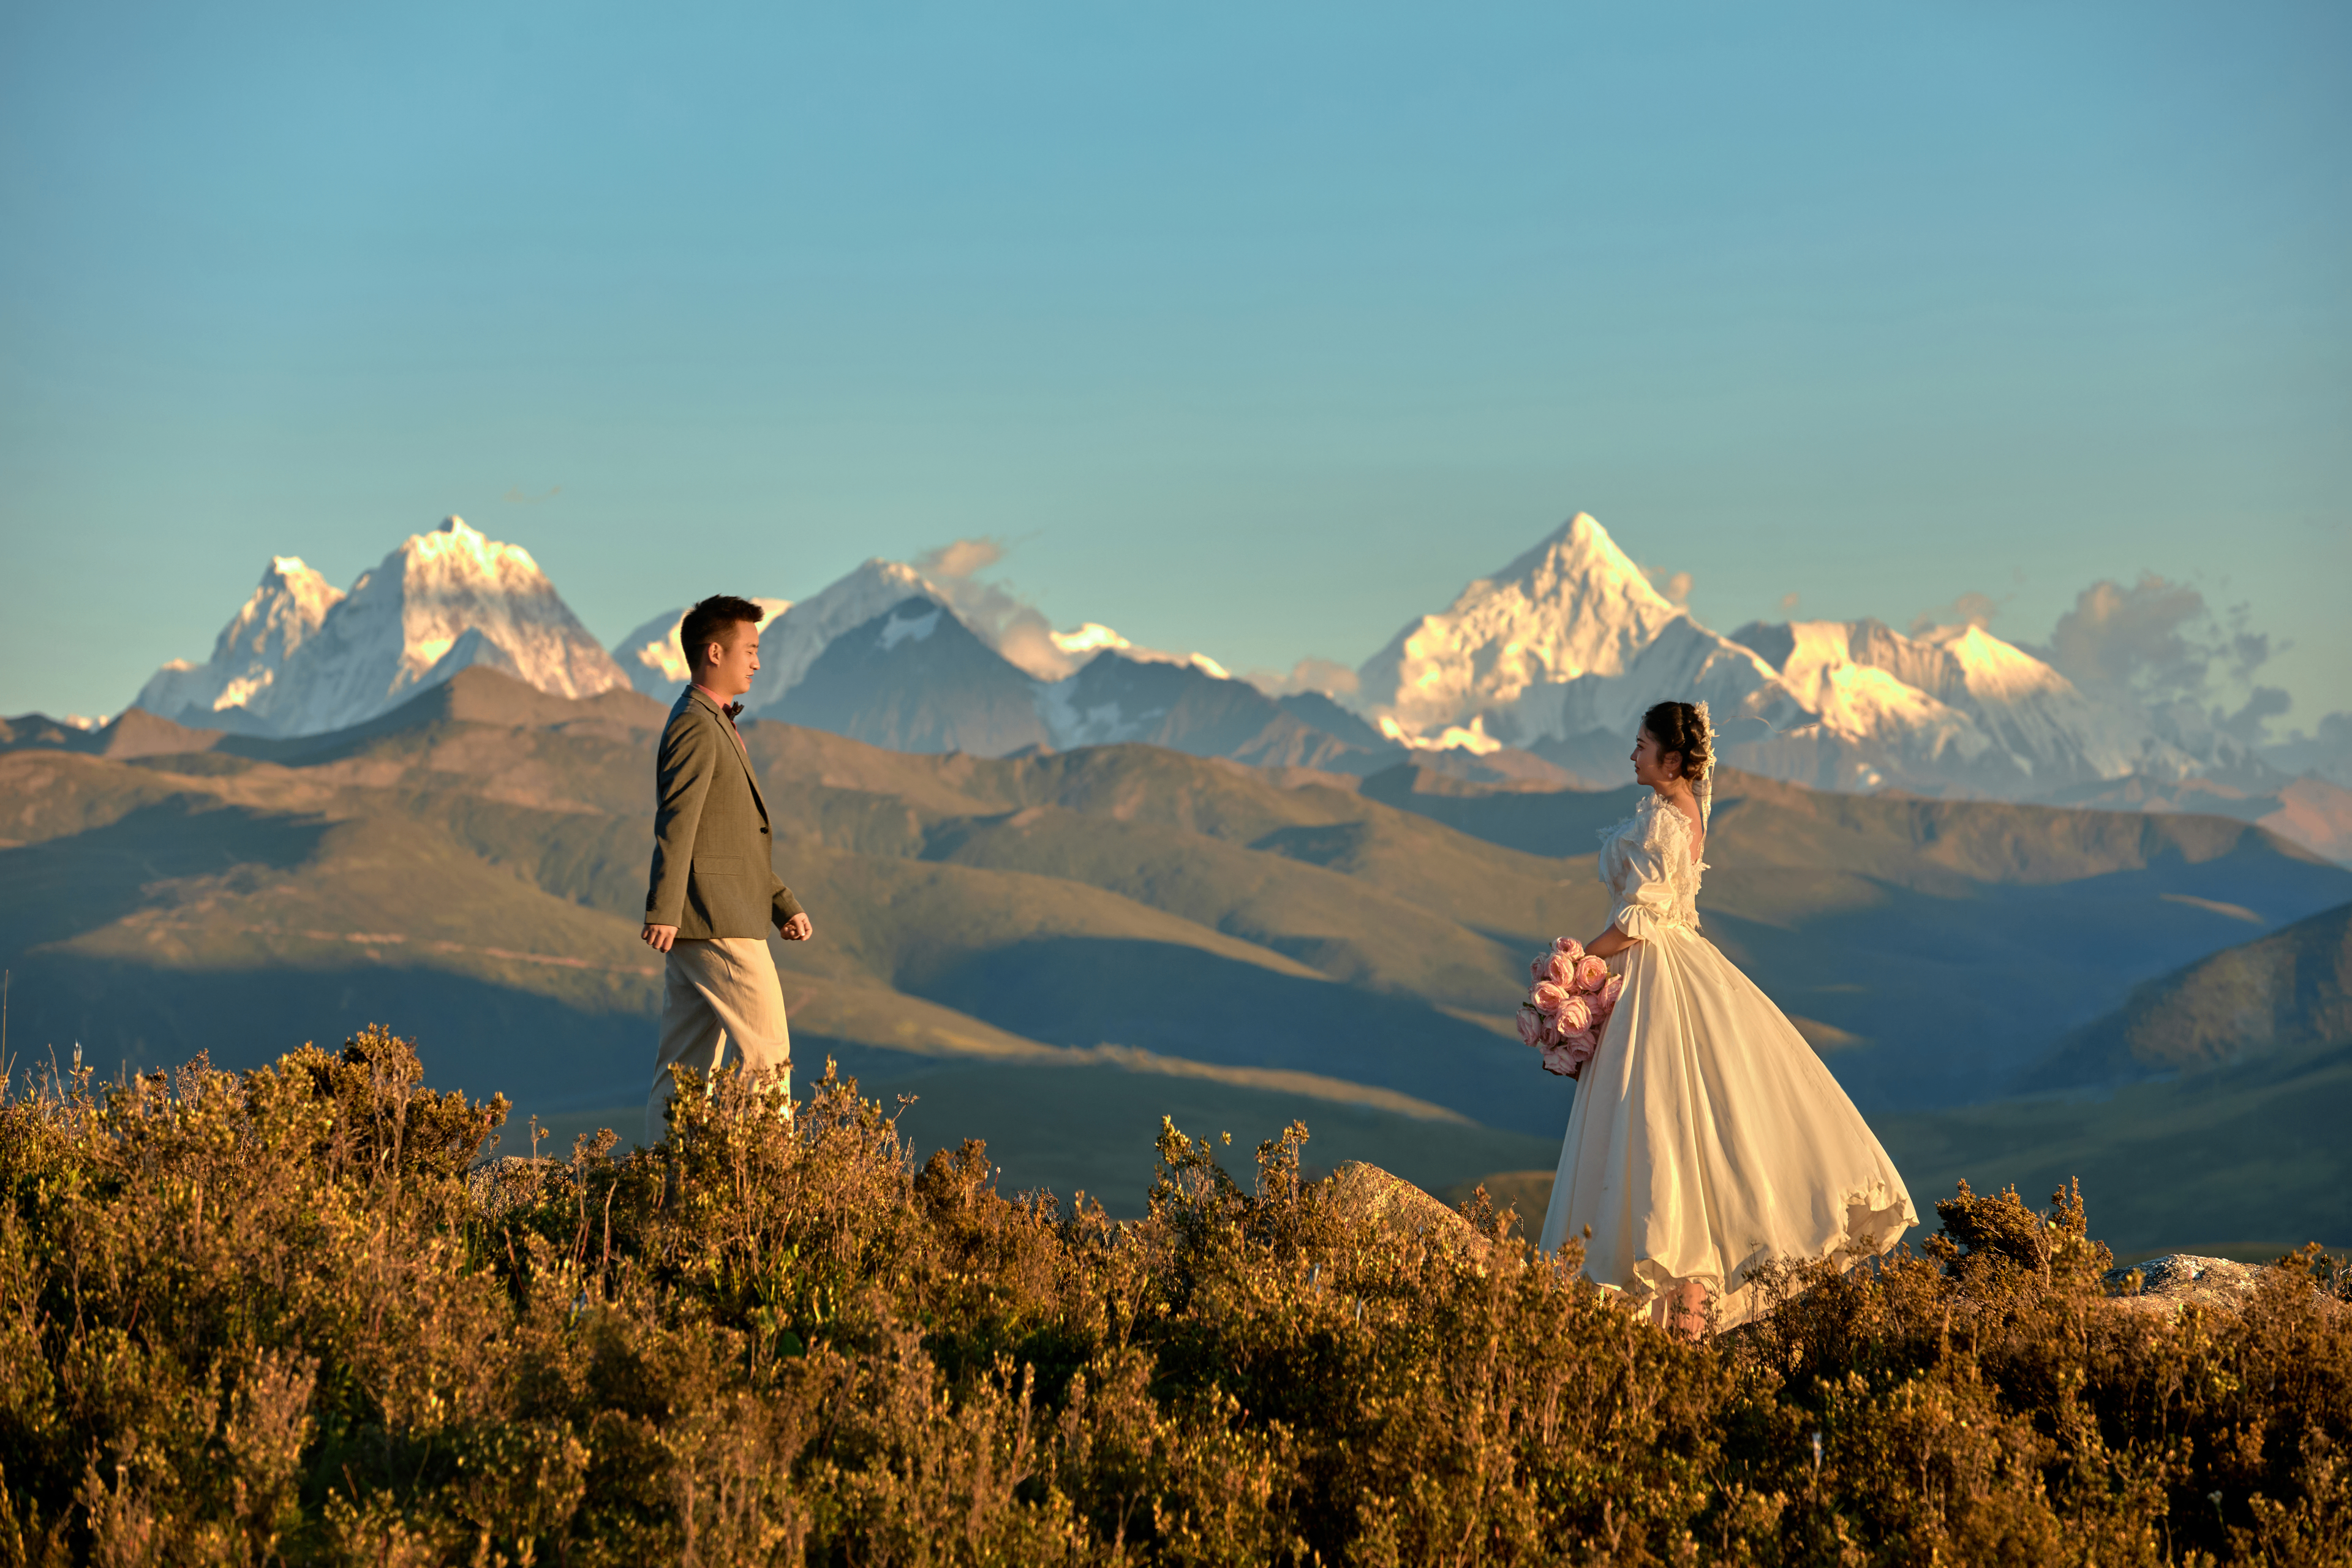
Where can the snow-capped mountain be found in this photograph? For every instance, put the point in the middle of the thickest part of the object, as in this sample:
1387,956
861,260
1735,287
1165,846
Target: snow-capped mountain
1573,605
1557,655
1077,647
790,644
915,679
224,691
1561,651
443,601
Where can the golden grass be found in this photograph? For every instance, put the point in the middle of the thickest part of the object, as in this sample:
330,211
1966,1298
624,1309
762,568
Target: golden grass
272,1317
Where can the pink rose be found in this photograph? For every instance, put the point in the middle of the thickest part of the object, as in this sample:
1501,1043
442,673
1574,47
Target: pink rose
1547,997
1532,1026
1573,1017
1561,969
1540,968
1591,974
1579,1050
1610,992
1568,946
1569,1056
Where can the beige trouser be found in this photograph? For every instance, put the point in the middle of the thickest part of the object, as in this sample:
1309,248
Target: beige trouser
716,989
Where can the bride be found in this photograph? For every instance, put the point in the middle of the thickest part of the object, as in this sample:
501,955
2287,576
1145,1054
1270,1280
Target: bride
1706,1137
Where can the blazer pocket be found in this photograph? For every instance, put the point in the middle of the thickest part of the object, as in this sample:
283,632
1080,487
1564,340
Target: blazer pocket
718,865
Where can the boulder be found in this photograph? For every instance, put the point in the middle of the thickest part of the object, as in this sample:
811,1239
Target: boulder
2164,1285
1368,1194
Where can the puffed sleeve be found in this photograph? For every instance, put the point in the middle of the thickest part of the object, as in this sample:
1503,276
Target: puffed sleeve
1647,899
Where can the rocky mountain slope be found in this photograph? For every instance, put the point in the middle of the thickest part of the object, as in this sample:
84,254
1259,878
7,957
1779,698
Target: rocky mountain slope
915,679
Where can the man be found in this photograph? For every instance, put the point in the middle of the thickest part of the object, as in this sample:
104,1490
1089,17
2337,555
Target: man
714,890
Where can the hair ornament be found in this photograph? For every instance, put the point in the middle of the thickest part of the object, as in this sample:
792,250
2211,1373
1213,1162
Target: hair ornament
1706,768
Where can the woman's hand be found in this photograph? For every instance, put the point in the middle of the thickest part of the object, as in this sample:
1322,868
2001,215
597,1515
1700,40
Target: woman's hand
1610,943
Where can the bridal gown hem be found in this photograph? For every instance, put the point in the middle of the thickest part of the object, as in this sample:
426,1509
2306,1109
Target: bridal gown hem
1706,1136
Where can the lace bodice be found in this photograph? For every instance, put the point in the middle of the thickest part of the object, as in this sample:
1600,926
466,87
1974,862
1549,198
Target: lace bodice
1645,863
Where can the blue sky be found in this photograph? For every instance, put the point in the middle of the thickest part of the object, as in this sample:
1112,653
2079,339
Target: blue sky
1252,328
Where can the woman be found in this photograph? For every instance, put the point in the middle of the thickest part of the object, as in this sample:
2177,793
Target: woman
1706,1136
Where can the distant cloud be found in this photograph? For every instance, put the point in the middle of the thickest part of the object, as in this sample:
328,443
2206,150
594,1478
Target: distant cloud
1002,617
519,498
2328,754
1674,586
960,558
2136,641
2267,703
2158,643
1325,676
1970,609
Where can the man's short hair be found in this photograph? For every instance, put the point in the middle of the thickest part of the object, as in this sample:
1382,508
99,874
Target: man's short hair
713,620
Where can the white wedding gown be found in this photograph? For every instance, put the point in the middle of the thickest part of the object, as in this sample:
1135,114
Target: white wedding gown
1706,1136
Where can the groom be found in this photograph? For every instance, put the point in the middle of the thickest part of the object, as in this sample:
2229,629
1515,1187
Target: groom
714,893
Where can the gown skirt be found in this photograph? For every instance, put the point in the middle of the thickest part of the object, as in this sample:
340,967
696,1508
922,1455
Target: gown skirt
1706,1137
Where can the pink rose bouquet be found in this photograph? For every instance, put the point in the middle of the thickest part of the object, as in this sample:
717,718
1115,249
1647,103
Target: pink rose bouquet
1567,1010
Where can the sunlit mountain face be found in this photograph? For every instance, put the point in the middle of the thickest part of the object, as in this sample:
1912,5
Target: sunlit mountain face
300,658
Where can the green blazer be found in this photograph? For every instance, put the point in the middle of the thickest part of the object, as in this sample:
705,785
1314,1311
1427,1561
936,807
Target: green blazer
712,875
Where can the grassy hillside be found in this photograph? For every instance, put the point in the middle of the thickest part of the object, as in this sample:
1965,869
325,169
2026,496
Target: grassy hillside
471,867
2243,1165
2287,993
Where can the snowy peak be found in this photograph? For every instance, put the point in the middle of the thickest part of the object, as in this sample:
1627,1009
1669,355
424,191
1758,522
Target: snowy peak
302,659
283,613
1957,702
1094,637
452,580
405,626
1576,605
1993,670
792,643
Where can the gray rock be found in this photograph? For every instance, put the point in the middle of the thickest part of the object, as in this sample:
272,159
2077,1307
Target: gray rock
1370,1194
2164,1285
497,1185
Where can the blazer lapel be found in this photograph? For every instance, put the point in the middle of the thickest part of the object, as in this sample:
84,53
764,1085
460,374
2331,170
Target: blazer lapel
742,753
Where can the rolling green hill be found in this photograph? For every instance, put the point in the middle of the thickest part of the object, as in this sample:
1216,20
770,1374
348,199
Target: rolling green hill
470,868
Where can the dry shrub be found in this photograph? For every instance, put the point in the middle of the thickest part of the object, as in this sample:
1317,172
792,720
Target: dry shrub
261,1317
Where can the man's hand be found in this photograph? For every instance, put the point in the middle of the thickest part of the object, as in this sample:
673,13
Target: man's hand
658,938
796,929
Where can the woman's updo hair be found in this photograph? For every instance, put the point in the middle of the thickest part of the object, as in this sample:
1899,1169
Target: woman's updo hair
1677,727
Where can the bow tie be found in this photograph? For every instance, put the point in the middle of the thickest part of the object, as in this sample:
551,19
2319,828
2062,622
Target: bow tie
733,710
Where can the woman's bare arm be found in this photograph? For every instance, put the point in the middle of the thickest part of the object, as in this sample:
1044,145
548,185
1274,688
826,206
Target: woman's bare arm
1610,943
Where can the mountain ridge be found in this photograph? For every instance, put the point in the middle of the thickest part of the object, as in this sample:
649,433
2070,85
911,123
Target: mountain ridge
1546,663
